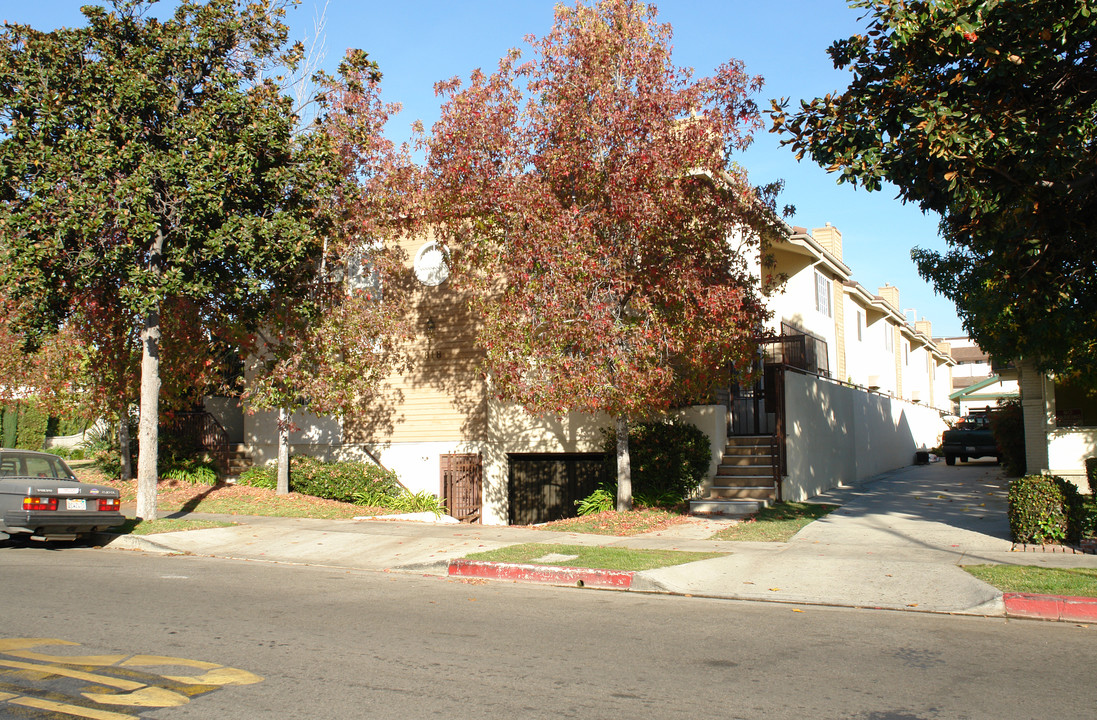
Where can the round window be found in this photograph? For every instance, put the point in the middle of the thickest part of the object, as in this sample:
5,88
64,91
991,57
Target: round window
430,264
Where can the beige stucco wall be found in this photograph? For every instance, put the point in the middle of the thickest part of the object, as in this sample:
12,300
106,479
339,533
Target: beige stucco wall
1037,404
513,430
837,435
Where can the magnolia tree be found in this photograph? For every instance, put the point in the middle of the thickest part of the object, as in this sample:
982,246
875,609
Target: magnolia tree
982,111
156,157
331,353
590,199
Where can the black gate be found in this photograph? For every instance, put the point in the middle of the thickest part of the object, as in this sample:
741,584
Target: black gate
544,487
755,406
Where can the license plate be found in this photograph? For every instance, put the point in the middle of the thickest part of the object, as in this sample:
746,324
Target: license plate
76,504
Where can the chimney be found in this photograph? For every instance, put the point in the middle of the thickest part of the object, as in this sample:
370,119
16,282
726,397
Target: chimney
830,238
890,293
924,326
945,348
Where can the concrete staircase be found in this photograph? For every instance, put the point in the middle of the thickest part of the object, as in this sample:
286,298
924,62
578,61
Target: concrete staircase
236,460
744,482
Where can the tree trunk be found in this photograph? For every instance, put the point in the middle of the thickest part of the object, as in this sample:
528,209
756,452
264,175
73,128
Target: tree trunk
147,437
124,445
282,487
624,467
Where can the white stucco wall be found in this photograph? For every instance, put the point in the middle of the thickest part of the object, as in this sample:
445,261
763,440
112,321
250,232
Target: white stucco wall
712,420
320,437
837,435
229,413
1067,450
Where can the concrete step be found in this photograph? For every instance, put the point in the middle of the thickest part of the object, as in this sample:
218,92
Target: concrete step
726,508
763,477
742,492
760,459
751,449
762,470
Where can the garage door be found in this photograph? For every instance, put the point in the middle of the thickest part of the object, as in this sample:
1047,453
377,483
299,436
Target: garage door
544,487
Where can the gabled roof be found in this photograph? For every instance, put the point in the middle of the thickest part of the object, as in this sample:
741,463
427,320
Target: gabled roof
971,392
801,242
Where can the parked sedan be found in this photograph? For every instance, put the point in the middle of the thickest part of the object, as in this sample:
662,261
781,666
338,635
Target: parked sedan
40,497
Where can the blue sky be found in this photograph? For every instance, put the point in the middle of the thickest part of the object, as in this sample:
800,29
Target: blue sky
418,42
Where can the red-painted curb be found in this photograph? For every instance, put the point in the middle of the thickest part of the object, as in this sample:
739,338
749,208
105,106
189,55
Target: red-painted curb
587,577
1051,607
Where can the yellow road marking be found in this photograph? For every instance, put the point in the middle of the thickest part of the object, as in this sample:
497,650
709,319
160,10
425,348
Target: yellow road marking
20,643
133,693
145,697
17,647
77,710
217,675
75,674
96,660
221,676
165,660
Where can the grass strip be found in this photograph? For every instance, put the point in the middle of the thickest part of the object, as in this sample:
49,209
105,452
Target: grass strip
1077,582
136,526
584,556
776,523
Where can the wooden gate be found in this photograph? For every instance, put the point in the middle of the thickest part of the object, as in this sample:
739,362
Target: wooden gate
463,485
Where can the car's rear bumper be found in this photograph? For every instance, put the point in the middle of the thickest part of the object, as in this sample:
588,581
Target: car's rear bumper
970,450
60,522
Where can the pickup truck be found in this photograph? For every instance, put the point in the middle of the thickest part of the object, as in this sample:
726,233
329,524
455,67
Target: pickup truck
971,437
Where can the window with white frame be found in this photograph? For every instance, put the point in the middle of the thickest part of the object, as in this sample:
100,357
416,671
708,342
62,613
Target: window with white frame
860,326
822,294
906,353
889,337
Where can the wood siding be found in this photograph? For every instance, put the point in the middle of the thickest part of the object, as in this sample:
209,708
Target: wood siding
441,397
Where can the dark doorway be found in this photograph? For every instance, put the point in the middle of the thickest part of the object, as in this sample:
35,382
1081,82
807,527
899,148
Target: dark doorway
544,487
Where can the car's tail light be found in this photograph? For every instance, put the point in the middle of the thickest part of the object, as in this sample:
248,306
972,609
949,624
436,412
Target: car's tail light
110,504
39,503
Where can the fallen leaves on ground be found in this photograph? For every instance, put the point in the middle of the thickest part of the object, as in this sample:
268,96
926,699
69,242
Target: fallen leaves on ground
611,522
176,495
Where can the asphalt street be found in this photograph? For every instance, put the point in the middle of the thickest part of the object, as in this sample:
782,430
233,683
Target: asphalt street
282,641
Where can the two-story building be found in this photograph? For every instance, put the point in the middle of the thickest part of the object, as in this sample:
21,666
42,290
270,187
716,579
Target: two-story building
862,397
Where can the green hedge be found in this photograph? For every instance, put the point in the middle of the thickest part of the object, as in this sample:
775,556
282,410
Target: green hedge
23,426
343,481
1007,423
669,460
1045,509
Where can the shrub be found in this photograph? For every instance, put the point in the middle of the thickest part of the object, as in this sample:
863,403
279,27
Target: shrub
194,472
421,501
63,427
1091,474
101,445
669,461
343,481
30,431
601,500
260,476
340,480
1045,509
1007,423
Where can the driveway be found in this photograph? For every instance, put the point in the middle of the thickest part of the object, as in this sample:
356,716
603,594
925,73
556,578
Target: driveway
897,541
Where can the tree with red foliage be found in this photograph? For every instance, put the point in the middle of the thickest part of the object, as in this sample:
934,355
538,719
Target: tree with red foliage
590,198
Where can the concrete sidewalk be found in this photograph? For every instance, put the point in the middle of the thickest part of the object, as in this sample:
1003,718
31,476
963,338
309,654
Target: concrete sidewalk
896,542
